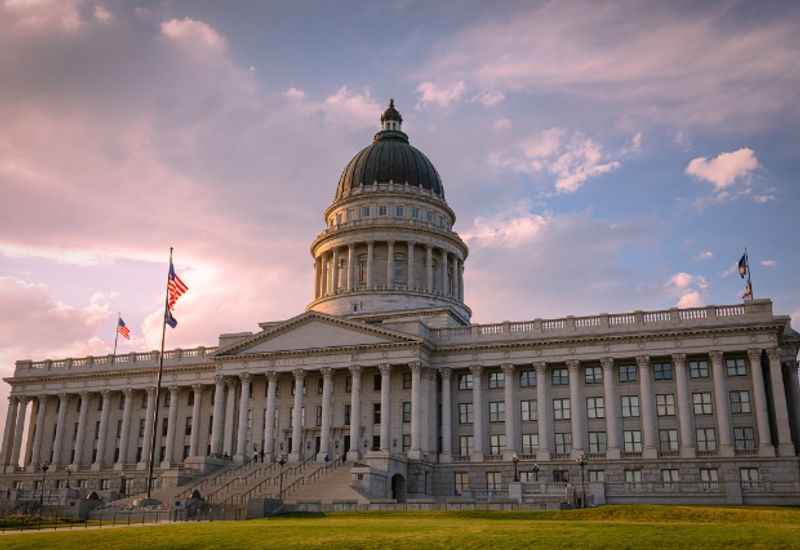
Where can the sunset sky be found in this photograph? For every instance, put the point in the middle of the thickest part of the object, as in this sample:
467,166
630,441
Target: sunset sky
600,156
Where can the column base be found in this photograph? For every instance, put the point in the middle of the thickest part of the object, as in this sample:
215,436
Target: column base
294,458
688,452
613,453
650,453
353,456
30,468
119,466
141,465
577,453
96,467
786,449
509,454
726,450
415,454
476,457
239,459
445,458
324,458
766,451
165,465
543,455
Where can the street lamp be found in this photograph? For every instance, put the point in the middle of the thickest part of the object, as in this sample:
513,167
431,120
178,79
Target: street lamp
122,488
44,479
536,472
581,460
282,463
515,460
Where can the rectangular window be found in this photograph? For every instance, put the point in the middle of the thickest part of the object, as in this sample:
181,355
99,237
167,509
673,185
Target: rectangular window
630,406
376,442
595,407
669,477
190,399
406,442
497,442
376,413
406,412
187,429
530,443
597,476
698,368
561,476
429,216
527,378
633,479
598,443
702,403
164,426
461,483
561,410
414,212
627,373
376,382
141,427
709,478
211,422
97,430
119,429
494,481
116,455
399,212
668,441
338,218
593,375
465,381
736,366
633,441
559,377
465,413
665,404
748,477
320,385
406,380
365,211
138,454
347,415
318,415
348,384
382,210
706,439
743,438
497,380
740,402
186,449
528,410
465,445
497,411
529,477
662,371
563,442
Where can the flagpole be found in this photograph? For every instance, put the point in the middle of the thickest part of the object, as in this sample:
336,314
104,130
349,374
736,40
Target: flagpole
151,459
749,283
116,336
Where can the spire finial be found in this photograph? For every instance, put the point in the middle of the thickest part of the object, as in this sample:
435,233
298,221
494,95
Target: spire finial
391,102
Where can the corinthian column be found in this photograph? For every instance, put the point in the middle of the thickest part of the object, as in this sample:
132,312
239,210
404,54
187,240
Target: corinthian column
269,421
785,444
37,437
445,290
149,426
510,390
19,426
101,438
610,399
429,267
297,417
478,443
194,442
244,407
386,407
410,259
355,414
8,432
219,413
126,428
370,258
447,415
650,449
350,266
169,445
577,408
684,409
58,442
543,409
336,282
325,435
765,447
721,401
415,451
390,265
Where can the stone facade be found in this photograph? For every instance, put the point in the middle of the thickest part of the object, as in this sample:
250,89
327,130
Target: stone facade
385,371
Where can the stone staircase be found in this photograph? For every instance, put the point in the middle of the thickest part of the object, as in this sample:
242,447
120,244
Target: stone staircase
326,487
263,482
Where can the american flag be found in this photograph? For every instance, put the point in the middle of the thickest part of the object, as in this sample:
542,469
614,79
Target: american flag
123,330
175,287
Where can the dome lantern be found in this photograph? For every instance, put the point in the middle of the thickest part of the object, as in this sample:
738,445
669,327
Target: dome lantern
391,119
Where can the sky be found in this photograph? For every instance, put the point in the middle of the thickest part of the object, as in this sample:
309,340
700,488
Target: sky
600,156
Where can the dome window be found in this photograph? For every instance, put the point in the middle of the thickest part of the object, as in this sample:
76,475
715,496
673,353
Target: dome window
399,212
415,212
365,211
382,210
429,216
338,218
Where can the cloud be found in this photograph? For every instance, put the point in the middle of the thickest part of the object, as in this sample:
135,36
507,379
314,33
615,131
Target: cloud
102,14
508,229
762,199
430,93
295,93
688,289
725,169
707,65
768,263
43,15
502,124
192,33
359,106
571,158
704,255
489,98
693,298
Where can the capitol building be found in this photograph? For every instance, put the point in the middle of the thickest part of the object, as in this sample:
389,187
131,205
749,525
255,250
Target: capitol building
383,391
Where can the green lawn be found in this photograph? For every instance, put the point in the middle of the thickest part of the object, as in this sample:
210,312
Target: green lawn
636,527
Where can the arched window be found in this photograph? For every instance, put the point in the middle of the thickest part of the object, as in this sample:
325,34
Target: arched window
450,280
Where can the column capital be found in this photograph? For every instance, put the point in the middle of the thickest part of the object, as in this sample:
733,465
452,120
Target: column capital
351,246
327,372
508,369
446,372
244,377
272,376
716,356
415,366
219,378
385,368
754,354
540,366
643,361
299,374
355,370
173,389
197,388
127,392
607,362
151,390
679,359
104,393
390,242
476,370
774,355
62,395
573,364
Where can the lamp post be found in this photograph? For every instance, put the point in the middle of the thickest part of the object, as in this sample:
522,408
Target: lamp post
515,460
282,463
69,472
122,488
581,460
536,472
44,480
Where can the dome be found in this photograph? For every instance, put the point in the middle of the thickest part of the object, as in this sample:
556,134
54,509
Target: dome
390,157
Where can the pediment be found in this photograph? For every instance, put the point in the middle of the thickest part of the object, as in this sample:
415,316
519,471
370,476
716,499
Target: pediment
312,331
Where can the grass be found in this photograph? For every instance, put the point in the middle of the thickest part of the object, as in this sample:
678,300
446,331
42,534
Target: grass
634,527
